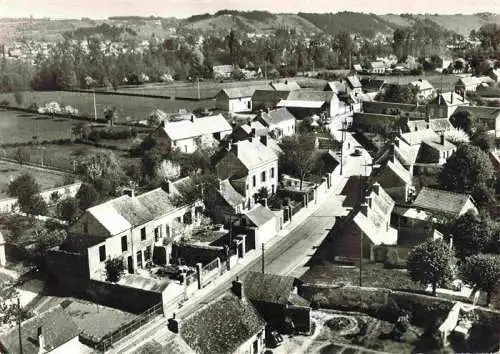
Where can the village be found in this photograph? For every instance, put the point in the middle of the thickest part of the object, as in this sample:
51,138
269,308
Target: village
353,214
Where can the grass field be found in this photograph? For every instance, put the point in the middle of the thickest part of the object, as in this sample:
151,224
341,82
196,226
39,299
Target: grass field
18,127
9,171
62,156
137,108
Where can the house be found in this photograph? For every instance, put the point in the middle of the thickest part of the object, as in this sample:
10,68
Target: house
280,122
249,130
440,125
392,108
336,86
472,83
377,67
369,226
353,85
222,71
229,324
369,84
358,68
486,116
304,104
236,99
130,227
445,104
425,88
188,135
451,204
264,99
275,298
415,138
435,150
285,86
52,331
248,165
395,179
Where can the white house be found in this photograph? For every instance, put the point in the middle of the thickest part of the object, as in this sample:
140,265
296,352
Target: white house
237,99
278,121
307,103
188,135
425,88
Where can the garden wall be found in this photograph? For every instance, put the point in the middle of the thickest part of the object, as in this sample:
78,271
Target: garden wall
192,254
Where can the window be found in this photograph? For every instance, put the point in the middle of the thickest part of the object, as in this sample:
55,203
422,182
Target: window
157,233
143,234
124,243
249,104
147,254
263,176
272,172
139,259
102,253
254,181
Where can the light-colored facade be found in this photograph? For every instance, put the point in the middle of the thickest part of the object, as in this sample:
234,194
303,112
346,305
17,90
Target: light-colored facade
278,121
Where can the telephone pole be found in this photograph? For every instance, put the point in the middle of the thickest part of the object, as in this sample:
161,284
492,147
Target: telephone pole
263,259
19,326
95,108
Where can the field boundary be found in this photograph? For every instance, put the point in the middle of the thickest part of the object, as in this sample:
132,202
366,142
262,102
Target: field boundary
134,94
61,171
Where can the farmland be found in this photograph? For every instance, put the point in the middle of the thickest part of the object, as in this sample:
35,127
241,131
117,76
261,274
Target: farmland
9,171
18,127
137,108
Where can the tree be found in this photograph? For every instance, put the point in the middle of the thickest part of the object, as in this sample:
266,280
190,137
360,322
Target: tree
481,271
101,165
22,155
81,130
87,196
18,96
198,187
469,166
429,263
298,159
168,170
150,162
463,120
400,94
114,269
471,235
111,114
26,189
67,209
483,139
45,240
156,117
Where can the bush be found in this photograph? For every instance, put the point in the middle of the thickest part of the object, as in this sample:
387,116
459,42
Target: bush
114,269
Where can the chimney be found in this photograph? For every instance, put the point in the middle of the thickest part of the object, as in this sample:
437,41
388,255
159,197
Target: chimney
253,133
234,148
392,153
167,186
441,137
451,100
237,288
263,139
41,340
364,209
174,324
368,200
193,118
163,123
420,79
376,188
129,191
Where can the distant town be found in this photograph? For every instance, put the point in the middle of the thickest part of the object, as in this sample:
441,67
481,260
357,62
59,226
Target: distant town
249,182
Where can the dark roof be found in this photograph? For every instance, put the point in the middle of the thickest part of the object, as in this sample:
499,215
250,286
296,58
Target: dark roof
370,84
440,124
380,106
267,287
276,116
440,200
221,326
303,95
480,112
57,328
269,95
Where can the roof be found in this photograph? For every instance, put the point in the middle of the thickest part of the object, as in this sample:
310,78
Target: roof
435,143
474,80
185,129
267,287
450,98
253,153
422,85
480,112
269,95
276,116
230,194
440,124
244,91
222,326
260,215
300,104
441,200
57,328
176,345
315,96
414,125
353,81
335,86
371,84
416,137
388,107
377,65
285,86
395,168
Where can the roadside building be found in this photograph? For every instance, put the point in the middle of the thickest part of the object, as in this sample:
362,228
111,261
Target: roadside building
267,99
280,122
236,99
304,104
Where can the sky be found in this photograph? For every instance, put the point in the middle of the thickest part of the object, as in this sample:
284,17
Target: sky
100,9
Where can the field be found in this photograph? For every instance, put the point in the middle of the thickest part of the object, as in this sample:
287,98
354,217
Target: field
18,127
9,171
447,81
63,156
137,108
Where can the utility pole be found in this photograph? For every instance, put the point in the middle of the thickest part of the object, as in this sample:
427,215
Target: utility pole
263,258
361,185
95,108
198,79
265,69
19,325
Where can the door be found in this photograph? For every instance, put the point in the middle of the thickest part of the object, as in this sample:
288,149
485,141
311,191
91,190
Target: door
130,264
139,259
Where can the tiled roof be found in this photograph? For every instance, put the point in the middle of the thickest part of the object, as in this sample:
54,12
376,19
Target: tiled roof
57,328
395,169
260,215
276,116
440,200
221,326
300,104
253,153
353,81
440,124
176,345
480,112
316,96
282,86
200,126
271,288
230,194
244,91
269,95
416,137
371,84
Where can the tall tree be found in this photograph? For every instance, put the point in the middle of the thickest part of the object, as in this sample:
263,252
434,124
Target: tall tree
471,235
429,263
299,157
26,189
463,120
481,271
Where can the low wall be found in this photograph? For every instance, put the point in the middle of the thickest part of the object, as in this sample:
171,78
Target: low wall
192,254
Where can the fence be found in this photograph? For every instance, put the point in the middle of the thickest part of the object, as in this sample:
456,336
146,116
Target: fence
296,207
129,327
36,161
